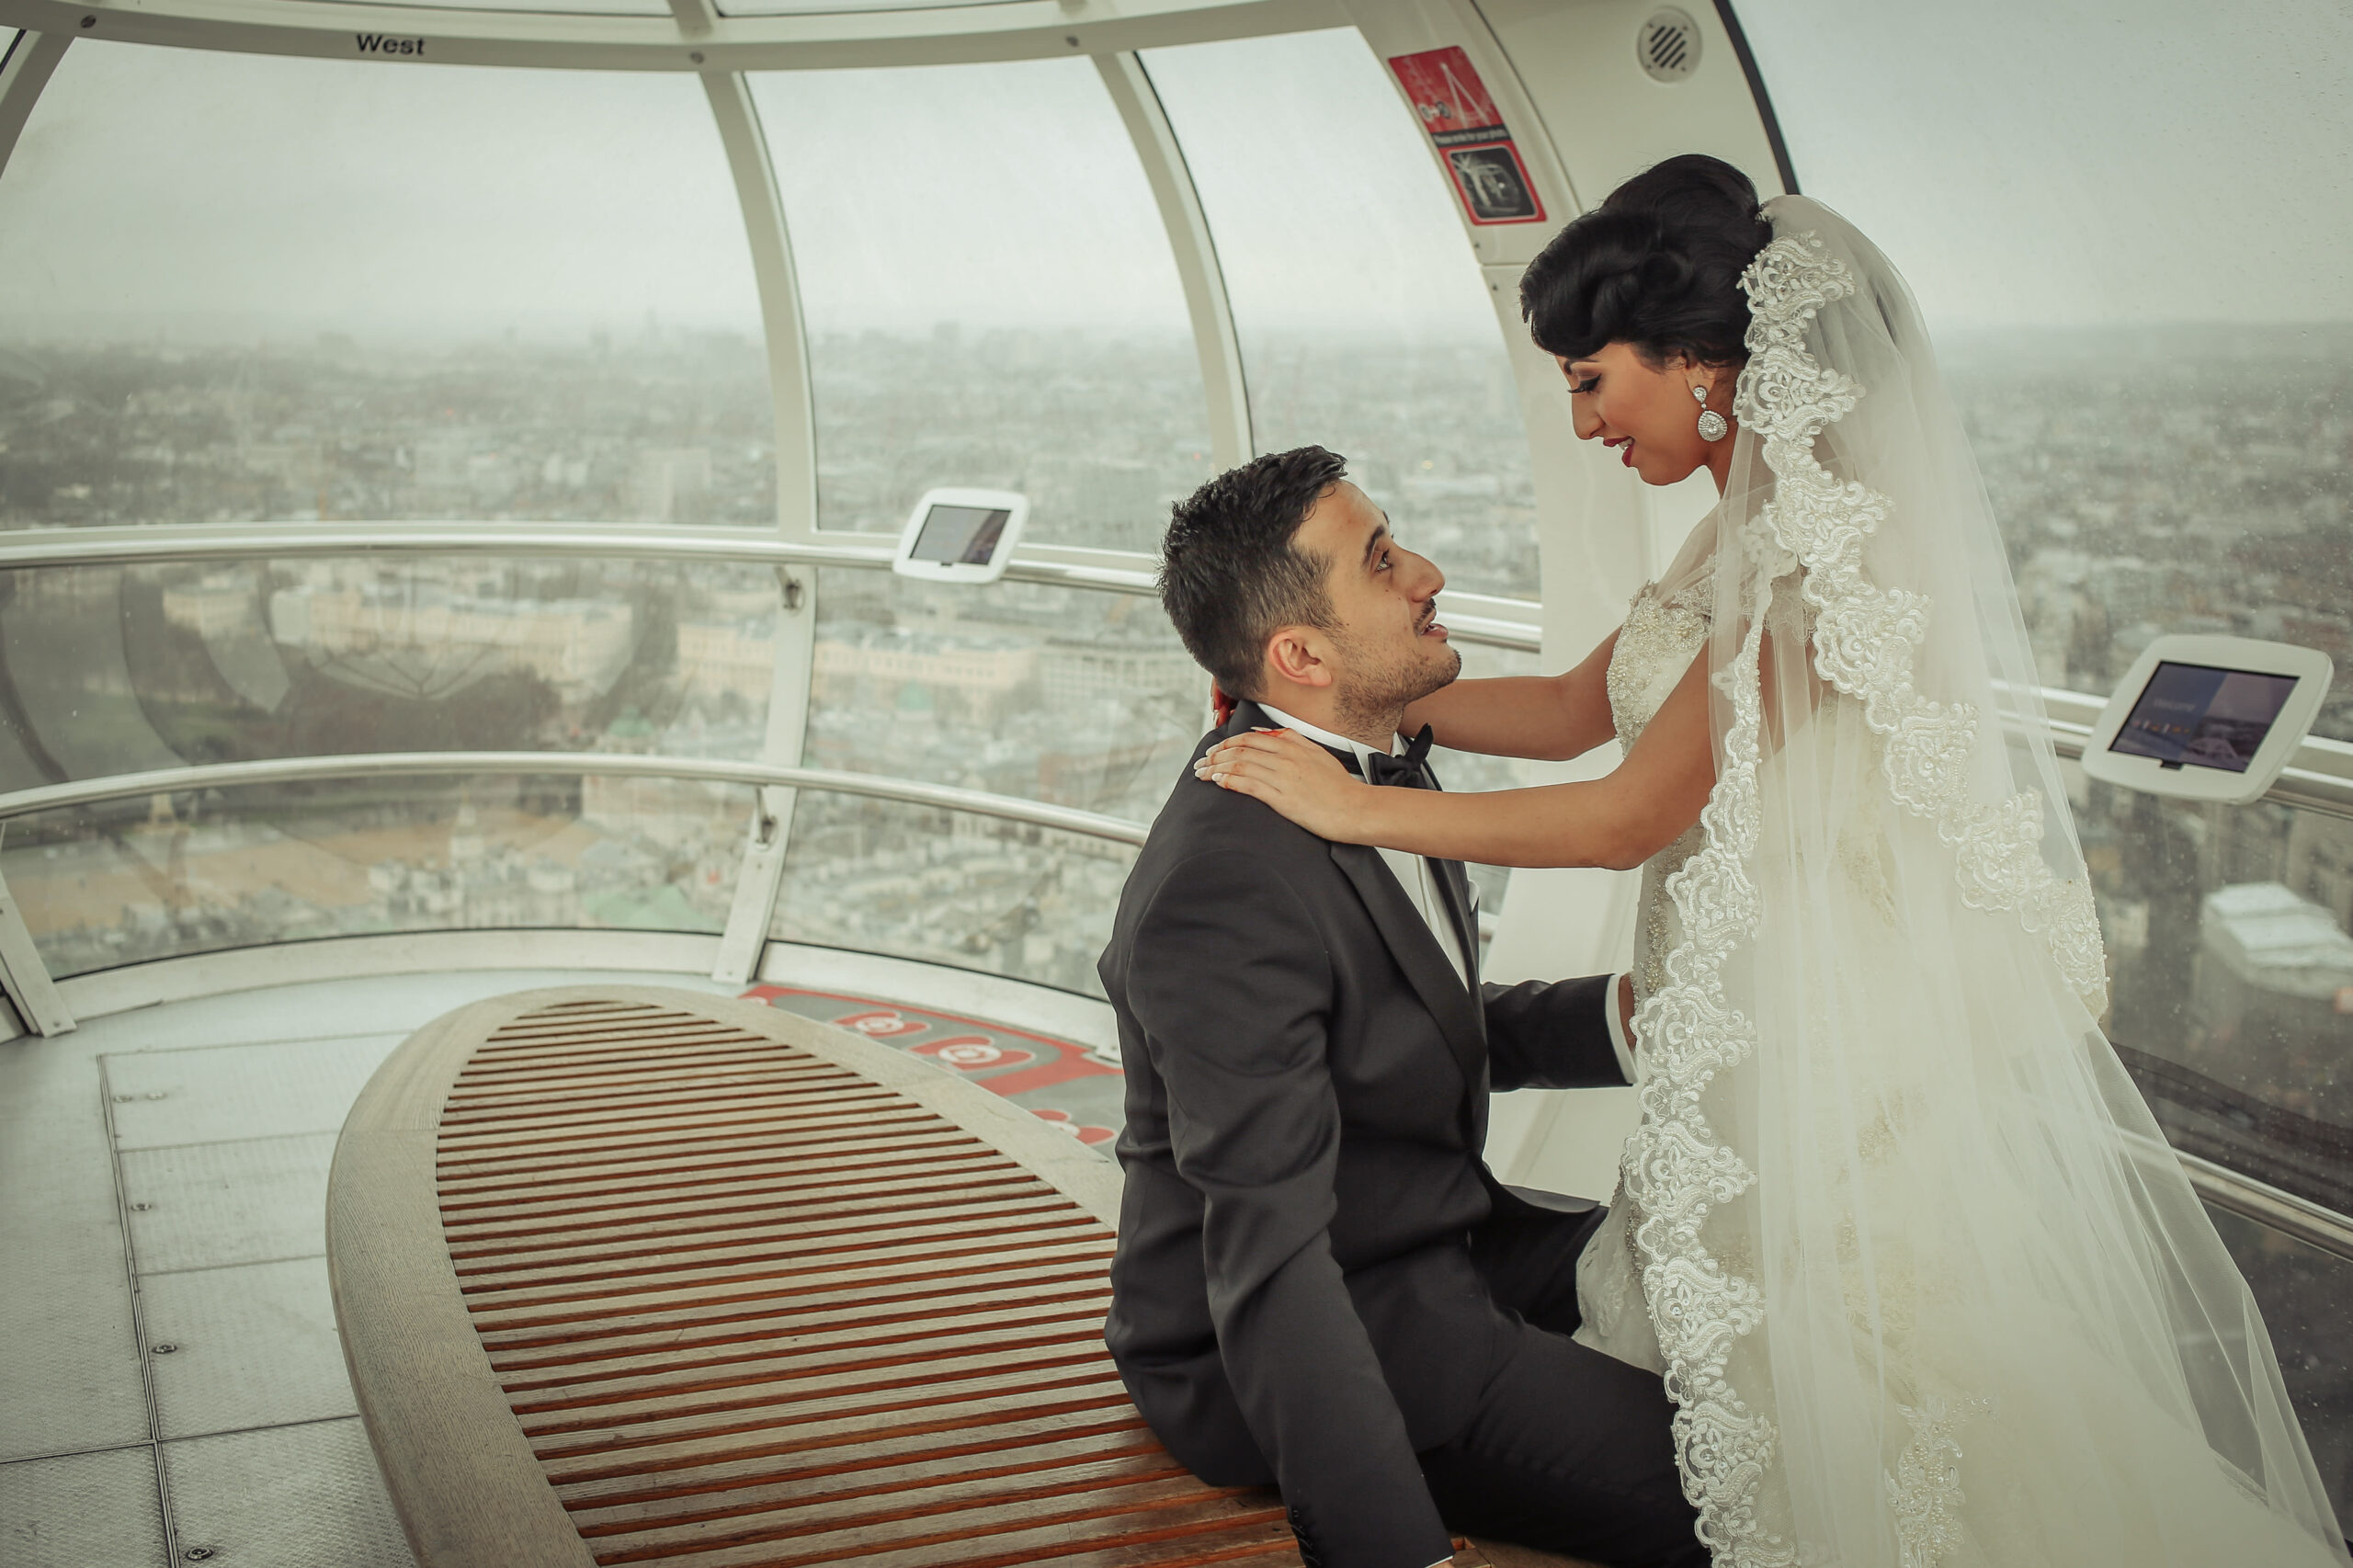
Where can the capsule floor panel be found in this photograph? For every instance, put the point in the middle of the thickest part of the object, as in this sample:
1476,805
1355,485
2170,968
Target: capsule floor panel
175,1390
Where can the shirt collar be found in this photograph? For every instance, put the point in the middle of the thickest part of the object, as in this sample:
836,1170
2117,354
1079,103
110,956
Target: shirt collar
1326,737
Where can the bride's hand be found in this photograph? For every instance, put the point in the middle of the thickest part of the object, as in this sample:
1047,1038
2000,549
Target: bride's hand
1290,773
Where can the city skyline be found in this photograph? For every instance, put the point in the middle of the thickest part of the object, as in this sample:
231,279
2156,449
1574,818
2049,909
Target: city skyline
2196,480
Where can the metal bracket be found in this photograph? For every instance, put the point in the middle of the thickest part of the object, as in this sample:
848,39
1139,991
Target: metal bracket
758,882
24,977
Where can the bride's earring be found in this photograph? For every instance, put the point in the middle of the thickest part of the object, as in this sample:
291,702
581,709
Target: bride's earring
1712,423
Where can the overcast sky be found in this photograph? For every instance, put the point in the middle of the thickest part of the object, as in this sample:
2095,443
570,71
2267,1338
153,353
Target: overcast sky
2024,161
2080,161
196,189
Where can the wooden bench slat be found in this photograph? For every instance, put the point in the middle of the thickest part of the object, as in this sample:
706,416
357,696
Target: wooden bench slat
845,1223
651,1413
597,1194
709,1154
1153,1513
841,1133
642,1061
572,1101
734,1263
785,1366
570,1328
924,1196
814,1509
727,1466
548,1101
844,1123
850,1425
862,1530
789,1383
1014,1278
886,1474
645,1048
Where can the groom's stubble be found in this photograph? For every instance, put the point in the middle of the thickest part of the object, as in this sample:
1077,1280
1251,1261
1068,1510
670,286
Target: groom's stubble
1381,678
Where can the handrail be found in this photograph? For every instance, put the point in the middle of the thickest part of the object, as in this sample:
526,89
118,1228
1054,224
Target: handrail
2305,1220
136,545
2321,781
618,764
2300,1217
1474,617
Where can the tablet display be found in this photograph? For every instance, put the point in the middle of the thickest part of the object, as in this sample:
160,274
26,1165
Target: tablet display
2200,716
964,534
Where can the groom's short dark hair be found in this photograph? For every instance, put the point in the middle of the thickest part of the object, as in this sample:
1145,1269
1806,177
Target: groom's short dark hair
1230,571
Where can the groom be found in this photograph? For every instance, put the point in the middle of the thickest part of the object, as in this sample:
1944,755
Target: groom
1319,1283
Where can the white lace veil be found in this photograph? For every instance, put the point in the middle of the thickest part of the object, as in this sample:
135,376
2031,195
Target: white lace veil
1928,1286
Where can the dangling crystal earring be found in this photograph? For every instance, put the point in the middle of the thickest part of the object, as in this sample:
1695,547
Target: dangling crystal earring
1712,423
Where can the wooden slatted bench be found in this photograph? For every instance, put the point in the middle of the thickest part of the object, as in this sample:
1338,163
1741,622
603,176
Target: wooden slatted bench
628,1275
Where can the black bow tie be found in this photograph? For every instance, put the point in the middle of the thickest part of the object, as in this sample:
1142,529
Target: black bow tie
1411,769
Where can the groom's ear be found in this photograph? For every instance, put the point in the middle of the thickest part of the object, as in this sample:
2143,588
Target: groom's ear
1298,655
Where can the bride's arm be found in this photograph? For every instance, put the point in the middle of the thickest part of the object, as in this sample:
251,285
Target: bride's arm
1619,821
1545,718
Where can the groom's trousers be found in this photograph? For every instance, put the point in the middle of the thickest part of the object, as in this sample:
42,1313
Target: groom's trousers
1569,1450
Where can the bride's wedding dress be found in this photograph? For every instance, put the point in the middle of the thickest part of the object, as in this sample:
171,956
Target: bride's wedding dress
1926,1285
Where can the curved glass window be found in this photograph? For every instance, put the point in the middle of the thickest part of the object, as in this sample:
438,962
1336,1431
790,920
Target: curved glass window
125,881
2138,277
108,669
1365,323
1077,697
990,296
238,287
950,888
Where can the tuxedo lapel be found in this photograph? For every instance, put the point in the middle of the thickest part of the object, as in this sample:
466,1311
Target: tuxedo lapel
1454,886
1461,1019
1431,972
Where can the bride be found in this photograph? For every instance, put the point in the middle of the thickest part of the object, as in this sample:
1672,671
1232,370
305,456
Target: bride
1923,1278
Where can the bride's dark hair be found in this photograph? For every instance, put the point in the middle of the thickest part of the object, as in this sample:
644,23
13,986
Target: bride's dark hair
1656,265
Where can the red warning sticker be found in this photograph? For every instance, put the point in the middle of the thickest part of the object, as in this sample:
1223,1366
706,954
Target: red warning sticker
1462,123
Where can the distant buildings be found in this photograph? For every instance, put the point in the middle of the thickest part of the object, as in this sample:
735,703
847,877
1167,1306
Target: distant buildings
2185,482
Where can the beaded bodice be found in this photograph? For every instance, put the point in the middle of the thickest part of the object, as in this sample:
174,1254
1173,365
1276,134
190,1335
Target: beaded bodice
1661,634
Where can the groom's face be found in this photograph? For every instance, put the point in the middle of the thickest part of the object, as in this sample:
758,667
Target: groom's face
1386,647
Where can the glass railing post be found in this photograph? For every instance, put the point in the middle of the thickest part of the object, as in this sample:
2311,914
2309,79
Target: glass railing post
1195,249
762,870
24,977
24,72
758,881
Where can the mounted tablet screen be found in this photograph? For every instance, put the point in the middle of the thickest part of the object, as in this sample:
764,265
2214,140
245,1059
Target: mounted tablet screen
2208,718
966,535
2197,716
961,535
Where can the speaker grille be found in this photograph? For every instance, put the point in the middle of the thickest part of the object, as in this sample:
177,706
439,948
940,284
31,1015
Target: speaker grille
1668,45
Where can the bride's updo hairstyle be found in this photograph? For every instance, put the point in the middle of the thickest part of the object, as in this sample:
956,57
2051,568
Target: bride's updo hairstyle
1656,266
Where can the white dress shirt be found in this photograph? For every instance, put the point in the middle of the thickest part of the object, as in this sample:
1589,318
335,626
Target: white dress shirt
1414,873
1419,880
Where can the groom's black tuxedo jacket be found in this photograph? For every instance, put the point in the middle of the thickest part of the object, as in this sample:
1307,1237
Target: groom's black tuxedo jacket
1294,1298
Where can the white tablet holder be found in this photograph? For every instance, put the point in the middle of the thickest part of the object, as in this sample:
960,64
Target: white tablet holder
2208,718
961,535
